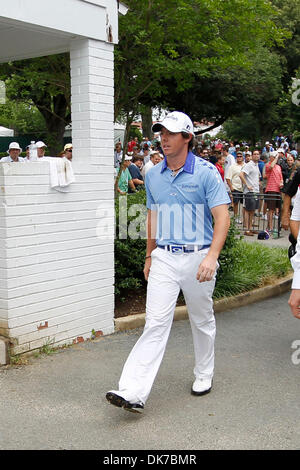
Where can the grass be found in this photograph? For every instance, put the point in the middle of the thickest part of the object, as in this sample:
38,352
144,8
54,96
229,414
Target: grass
253,266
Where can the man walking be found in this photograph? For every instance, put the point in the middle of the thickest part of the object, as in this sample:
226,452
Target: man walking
183,193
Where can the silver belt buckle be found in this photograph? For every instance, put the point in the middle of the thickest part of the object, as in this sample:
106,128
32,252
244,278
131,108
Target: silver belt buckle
176,249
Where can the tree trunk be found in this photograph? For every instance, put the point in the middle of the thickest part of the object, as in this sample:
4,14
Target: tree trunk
55,137
266,132
147,121
56,122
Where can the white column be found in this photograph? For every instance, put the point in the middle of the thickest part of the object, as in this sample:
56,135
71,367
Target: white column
92,89
3,263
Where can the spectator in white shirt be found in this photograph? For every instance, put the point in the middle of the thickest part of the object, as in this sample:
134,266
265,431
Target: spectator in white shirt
154,160
13,151
41,148
235,184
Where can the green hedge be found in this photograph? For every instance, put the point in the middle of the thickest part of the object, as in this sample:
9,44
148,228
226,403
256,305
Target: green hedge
129,253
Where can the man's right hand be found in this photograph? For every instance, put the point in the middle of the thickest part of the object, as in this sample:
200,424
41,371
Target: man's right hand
285,221
294,302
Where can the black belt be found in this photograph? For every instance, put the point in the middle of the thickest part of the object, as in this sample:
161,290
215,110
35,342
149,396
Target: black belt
177,249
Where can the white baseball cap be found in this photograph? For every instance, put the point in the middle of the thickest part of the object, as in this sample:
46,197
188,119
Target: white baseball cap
68,146
175,122
274,154
267,143
127,158
280,150
14,146
40,144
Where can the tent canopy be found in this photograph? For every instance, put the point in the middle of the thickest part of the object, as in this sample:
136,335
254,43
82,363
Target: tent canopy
5,132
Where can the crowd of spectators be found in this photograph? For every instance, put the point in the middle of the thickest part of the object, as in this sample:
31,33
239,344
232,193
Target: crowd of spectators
256,177
138,160
14,152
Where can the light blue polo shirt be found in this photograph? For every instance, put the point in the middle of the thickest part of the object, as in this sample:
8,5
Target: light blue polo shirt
184,201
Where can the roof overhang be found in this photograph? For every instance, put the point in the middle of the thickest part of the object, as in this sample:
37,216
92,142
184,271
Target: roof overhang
34,28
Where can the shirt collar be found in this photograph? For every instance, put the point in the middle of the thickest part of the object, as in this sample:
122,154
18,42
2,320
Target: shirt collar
188,167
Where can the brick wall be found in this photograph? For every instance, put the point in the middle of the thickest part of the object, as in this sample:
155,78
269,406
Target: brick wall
93,100
57,275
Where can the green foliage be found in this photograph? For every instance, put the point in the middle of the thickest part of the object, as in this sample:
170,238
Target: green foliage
45,82
23,118
243,127
135,132
225,258
129,252
185,43
251,266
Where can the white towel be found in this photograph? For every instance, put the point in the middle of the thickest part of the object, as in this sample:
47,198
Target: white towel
61,173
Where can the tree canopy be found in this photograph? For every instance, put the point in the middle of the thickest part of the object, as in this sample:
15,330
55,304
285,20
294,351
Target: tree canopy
214,60
44,82
169,52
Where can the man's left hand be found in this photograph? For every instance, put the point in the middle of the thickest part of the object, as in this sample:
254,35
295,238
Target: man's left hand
207,269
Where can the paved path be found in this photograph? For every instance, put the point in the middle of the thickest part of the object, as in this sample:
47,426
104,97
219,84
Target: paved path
281,242
58,401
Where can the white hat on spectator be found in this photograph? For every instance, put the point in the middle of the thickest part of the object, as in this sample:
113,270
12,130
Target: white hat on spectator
127,158
40,144
14,146
68,147
280,150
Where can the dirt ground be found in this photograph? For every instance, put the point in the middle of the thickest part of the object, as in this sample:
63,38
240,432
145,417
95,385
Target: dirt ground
135,303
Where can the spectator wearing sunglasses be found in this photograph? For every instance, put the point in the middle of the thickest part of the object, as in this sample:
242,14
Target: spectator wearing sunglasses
68,148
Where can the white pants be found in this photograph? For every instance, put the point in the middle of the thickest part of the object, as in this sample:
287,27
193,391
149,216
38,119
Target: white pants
168,274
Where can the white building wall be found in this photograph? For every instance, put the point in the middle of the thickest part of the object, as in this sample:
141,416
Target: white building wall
57,279
57,268
3,280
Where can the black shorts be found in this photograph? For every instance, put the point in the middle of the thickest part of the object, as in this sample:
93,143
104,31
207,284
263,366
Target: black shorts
251,201
237,197
273,200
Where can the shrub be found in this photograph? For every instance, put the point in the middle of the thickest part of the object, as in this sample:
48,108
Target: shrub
252,265
129,252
